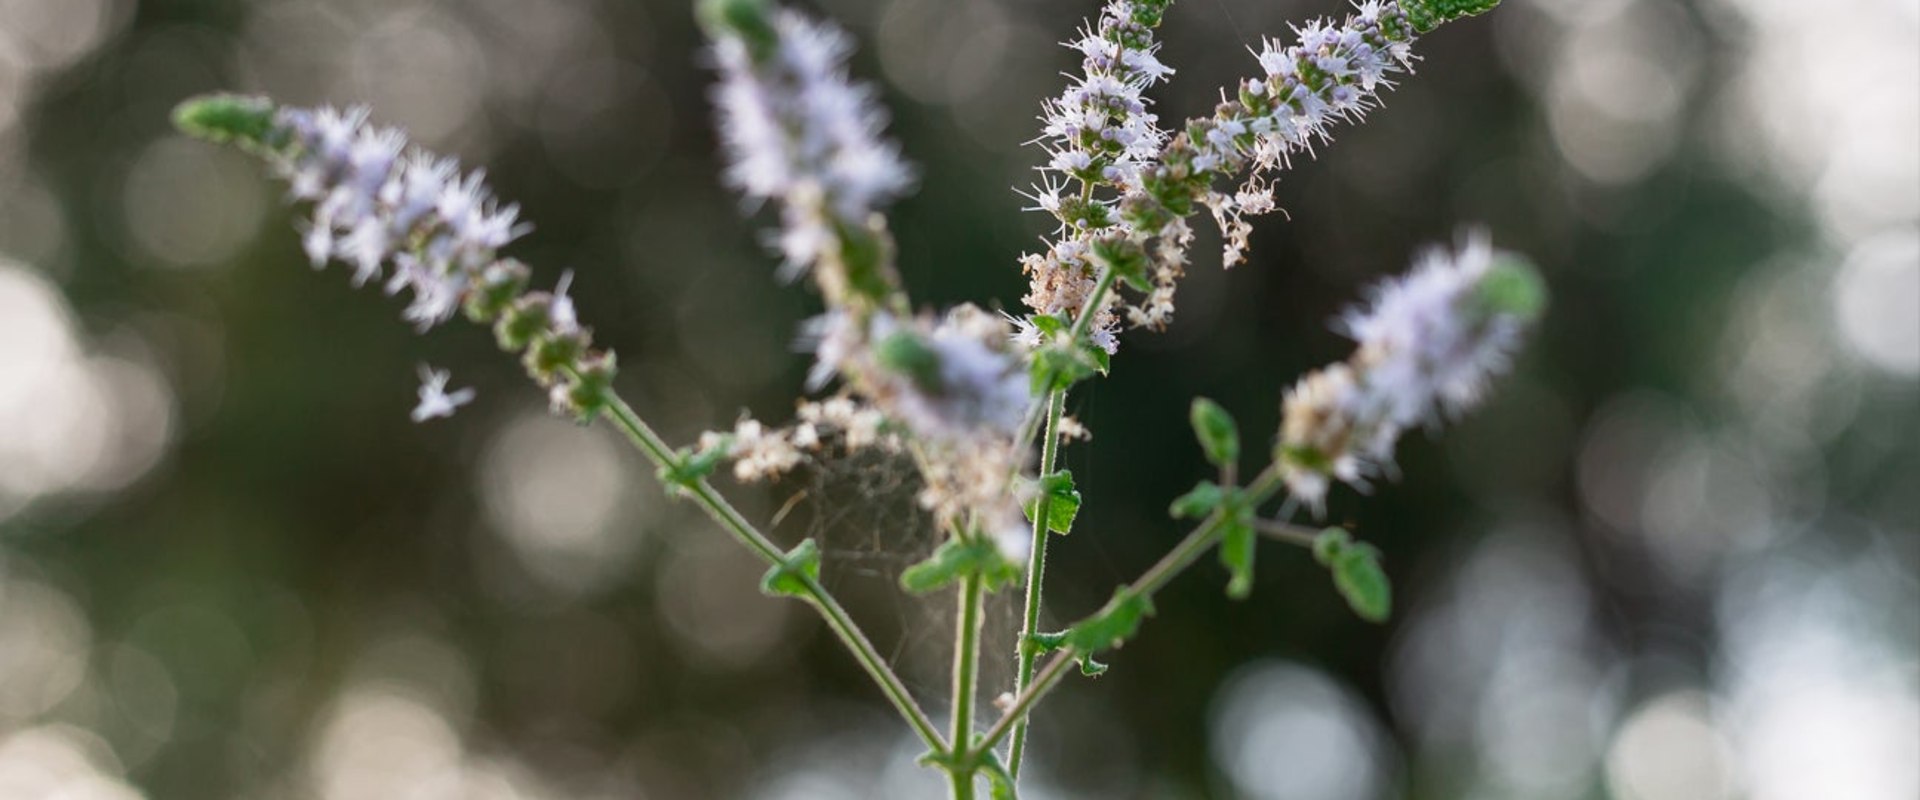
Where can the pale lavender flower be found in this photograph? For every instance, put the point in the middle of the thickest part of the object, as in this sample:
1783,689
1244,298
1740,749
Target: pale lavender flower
1428,343
435,400
377,208
797,131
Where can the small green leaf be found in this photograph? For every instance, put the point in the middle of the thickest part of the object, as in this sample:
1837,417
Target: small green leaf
1428,14
1358,576
1126,258
1090,667
1098,356
1236,553
1511,286
224,118
1198,502
999,780
1113,626
692,466
904,353
791,577
1063,502
751,20
956,559
1042,643
1049,324
1219,437
1328,546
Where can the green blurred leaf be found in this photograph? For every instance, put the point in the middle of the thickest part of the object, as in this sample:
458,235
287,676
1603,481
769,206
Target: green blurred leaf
1198,502
1357,574
1219,436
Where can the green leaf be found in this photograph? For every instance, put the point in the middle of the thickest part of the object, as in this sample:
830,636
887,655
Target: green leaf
751,20
956,559
1042,643
1063,502
1097,356
1090,667
1049,324
1511,286
692,466
1219,437
1113,626
1428,14
1328,546
999,780
791,577
1126,258
1198,502
224,118
1358,576
1236,553
904,353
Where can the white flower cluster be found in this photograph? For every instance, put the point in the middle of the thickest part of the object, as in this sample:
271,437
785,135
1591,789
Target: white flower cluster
1333,73
760,453
1097,133
797,131
1428,343
374,205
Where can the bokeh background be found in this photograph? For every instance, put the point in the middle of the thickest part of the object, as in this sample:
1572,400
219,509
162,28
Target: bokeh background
1674,558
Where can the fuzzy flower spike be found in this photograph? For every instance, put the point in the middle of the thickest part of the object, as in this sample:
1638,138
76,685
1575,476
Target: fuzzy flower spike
400,213
1333,72
796,131
1428,343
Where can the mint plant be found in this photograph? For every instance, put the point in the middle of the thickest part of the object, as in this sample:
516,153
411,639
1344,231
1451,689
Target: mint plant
975,400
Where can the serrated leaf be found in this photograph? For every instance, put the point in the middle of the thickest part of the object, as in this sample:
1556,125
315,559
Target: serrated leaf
691,466
1114,625
956,559
1198,502
1042,643
1090,667
1101,359
1358,576
791,577
1126,258
1236,553
1063,501
1219,437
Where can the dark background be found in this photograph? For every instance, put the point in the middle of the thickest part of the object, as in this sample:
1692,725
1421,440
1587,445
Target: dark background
1673,558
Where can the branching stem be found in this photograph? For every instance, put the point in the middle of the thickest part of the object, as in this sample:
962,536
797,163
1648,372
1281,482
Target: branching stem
622,416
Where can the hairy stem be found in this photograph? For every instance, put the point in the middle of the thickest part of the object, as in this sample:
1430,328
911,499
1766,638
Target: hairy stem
1036,571
622,416
966,668
1183,555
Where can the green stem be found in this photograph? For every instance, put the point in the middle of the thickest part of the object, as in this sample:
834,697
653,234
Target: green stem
1036,571
1103,284
1183,555
966,667
723,512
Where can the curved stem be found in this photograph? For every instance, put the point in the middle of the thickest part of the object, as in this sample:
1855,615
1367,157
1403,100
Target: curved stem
1182,555
1036,571
622,416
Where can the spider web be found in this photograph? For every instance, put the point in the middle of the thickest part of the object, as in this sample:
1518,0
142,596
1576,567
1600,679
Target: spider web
861,509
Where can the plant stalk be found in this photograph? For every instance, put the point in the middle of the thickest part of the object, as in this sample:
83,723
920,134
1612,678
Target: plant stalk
1036,572
1183,555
